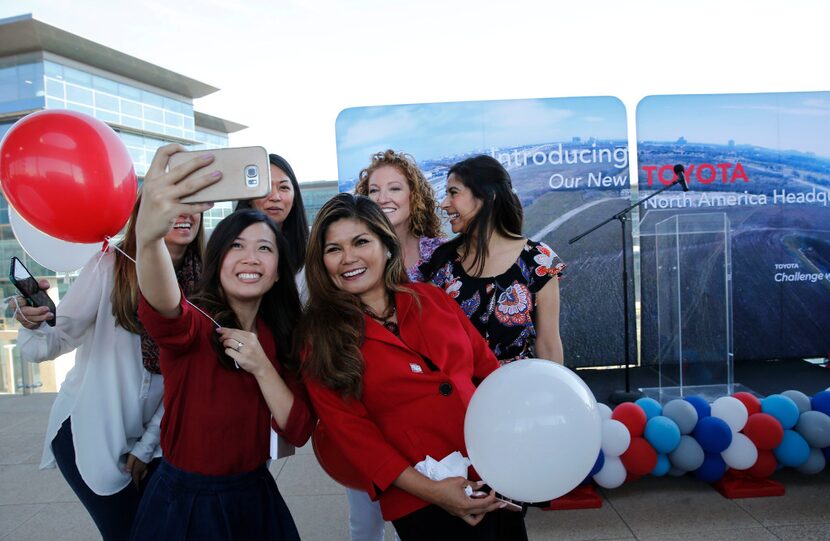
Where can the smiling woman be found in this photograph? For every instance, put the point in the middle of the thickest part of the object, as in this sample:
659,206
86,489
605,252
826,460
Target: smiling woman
394,181
391,367
215,455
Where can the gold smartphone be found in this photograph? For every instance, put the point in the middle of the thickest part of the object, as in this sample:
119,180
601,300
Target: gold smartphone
246,174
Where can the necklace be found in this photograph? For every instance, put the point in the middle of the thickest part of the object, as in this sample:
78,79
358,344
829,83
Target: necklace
390,326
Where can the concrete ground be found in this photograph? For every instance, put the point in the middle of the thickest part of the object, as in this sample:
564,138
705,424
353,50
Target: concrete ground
38,505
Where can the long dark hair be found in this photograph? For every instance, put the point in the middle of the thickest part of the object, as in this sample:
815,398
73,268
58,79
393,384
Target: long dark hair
295,226
280,306
501,211
332,328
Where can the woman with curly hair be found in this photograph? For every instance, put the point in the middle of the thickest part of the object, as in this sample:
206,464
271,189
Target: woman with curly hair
394,181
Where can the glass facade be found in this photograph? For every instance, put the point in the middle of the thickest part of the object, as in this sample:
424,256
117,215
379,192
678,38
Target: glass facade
21,87
116,103
315,194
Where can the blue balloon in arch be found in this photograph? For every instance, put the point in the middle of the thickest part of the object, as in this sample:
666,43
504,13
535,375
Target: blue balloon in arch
712,469
701,406
713,434
663,434
598,464
782,408
663,465
793,451
821,402
650,406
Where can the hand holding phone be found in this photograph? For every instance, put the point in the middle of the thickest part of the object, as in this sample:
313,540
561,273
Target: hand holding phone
39,306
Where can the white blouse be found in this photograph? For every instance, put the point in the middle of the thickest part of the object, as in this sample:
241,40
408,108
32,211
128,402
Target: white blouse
115,404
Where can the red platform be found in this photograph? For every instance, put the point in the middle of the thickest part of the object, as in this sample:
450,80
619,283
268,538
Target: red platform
582,497
739,485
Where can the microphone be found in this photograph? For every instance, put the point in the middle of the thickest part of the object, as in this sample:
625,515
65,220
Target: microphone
681,177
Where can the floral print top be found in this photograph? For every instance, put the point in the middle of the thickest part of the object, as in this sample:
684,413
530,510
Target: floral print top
426,245
503,307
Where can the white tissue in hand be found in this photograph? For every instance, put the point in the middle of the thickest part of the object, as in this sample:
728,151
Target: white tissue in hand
452,465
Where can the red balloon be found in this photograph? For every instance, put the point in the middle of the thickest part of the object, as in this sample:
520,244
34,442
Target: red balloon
632,416
333,462
640,458
630,477
68,174
764,466
750,401
764,430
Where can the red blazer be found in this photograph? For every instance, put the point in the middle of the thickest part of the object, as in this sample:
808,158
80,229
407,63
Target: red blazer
408,409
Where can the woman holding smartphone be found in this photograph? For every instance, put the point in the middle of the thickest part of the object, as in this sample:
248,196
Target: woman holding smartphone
390,369
103,430
284,205
226,385
503,281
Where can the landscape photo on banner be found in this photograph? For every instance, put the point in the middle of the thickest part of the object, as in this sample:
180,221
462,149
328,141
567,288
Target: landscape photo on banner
568,160
763,162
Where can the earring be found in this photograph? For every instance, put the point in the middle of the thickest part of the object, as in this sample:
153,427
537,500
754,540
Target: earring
388,254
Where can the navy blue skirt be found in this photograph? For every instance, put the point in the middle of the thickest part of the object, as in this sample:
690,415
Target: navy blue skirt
179,505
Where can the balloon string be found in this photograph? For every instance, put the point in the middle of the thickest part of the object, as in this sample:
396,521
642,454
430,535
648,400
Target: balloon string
215,323
17,309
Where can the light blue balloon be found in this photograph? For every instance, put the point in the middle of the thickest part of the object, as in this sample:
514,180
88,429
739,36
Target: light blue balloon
689,454
683,414
782,408
650,406
815,427
793,451
664,465
815,463
802,401
662,433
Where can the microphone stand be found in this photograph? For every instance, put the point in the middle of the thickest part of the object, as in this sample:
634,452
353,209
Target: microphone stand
627,395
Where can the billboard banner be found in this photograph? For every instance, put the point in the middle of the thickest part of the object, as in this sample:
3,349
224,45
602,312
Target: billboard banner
763,160
568,159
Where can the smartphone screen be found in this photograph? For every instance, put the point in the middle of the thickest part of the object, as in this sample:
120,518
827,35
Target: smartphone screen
29,288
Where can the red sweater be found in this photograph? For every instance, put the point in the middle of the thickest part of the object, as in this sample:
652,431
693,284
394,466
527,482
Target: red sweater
216,421
407,410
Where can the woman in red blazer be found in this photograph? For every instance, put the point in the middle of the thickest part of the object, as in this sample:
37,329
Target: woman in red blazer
390,369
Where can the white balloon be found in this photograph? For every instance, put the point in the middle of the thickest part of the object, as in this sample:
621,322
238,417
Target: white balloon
604,411
615,438
732,411
741,453
55,254
533,430
612,474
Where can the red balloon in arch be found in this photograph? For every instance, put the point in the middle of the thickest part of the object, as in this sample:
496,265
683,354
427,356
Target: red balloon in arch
68,174
764,430
764,467
632,416
750,401
640,458
333,462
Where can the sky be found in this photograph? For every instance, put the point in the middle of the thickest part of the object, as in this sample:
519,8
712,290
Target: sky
795,121
439,130
287,68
